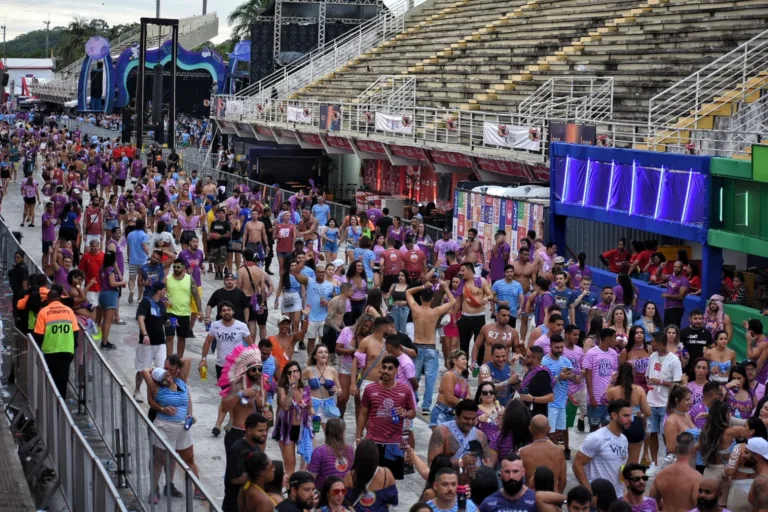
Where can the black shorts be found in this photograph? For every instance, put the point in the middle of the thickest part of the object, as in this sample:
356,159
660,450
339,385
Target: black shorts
387,280
182,329
93,186
218,372
636,431
30,200
119,183
295,431
68,234
396,465
5,173
330,335
186,236
46,247
259,318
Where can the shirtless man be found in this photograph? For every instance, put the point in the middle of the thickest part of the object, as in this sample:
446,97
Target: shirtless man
497,332
255,237
543,452
474,299
251,389
524,269
370,352
249,276
209,189
676,487
307,229
454,438
472,252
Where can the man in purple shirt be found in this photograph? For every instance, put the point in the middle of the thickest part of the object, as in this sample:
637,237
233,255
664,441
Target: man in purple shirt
443,246
49,232
136,167
93,176
193,259
677,289
499,256
373,213
602,308
710,392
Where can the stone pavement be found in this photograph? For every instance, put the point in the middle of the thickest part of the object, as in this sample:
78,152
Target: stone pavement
209,450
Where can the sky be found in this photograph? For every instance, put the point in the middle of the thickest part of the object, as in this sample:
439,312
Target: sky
22,17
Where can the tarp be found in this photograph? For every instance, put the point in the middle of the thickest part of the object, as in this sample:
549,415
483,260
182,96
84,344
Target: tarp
394,124
297,115
511,136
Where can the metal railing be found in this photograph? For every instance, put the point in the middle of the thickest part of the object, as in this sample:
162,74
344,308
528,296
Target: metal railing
397,92
332,55
571,99
727,80
83,482
130,437
63,85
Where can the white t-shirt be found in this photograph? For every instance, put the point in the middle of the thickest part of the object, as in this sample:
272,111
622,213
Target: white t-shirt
666,368
608,453
227,338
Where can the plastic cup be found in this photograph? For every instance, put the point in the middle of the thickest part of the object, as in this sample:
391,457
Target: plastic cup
316,424
475,371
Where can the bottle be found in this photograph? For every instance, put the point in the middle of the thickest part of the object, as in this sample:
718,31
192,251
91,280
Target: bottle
207,325
395,417
461,489
204,373
189,422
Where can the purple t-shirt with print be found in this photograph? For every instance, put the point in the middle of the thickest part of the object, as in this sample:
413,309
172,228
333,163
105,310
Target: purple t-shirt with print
325,463
673,288
602,364
193,260
49,232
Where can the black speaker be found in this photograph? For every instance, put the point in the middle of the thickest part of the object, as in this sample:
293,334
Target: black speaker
3,78
157,94
97,86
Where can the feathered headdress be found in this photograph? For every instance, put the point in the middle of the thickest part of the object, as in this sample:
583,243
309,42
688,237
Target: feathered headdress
238,362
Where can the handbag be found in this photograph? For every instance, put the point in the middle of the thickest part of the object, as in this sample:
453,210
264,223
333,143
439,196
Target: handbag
235,245
288,301
255,304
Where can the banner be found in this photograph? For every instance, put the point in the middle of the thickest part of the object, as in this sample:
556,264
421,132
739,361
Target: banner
394,124
234,107
299,115
512,136
330,118
573,133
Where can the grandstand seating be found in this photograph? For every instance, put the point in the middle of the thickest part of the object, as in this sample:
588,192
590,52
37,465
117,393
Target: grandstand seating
491,54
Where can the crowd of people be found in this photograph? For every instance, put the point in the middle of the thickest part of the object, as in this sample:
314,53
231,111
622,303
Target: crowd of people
376,304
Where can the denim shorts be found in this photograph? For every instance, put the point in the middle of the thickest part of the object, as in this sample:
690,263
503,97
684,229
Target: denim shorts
108,299
440,414
595,414
656,421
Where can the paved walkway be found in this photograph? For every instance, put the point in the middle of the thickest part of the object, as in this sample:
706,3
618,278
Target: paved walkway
209,451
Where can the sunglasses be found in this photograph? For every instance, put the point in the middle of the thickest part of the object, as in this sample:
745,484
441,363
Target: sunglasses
644,478
487,393
178,266
255,369
339,492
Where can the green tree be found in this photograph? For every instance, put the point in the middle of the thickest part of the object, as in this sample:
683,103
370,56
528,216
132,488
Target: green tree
243,16
72,44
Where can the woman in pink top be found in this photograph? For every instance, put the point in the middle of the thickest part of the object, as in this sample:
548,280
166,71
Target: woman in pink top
346,344
188,224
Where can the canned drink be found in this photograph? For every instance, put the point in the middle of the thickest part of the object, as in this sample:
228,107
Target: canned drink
475,371
207,325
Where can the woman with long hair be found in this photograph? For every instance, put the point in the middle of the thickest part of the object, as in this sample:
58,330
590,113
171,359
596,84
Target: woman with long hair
235,245
678,420
424,241
454,388
636,353
717,440
274,489
604,494
672,334
399,309
694,278
334,458
373,303
489,412
619,322
592,338
579,271
514,433
367,256
378,248
330,237
741,399
701,377
352,234
30,192
348,340
111,213
332,495
260,470
721,358
110,280
395,232
359,281
625,294
293,420
627,389
451,330
290,286
188,224
370,487
650,321
323,381
81,307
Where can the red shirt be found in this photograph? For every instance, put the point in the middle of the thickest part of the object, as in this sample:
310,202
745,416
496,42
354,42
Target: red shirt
92,221
284,234
695,283
414,262
393,262
380,401
91,267
643,257
617,260
451,271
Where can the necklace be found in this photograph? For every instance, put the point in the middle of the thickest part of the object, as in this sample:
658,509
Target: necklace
680,413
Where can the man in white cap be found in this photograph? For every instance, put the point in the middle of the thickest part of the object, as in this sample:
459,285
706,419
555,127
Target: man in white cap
284,342
756,456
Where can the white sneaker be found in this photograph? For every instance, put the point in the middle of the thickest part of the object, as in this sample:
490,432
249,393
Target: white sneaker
137,397
652,469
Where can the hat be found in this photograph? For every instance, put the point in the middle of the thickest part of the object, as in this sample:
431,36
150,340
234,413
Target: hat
338,262
748,362
284,318
559,260
156,287
756,445
229,275
158,374
300,477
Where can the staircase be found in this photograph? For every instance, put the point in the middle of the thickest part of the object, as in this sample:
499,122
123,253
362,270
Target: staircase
193,32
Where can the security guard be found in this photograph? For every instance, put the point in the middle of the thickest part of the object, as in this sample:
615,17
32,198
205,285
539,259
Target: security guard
56,332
